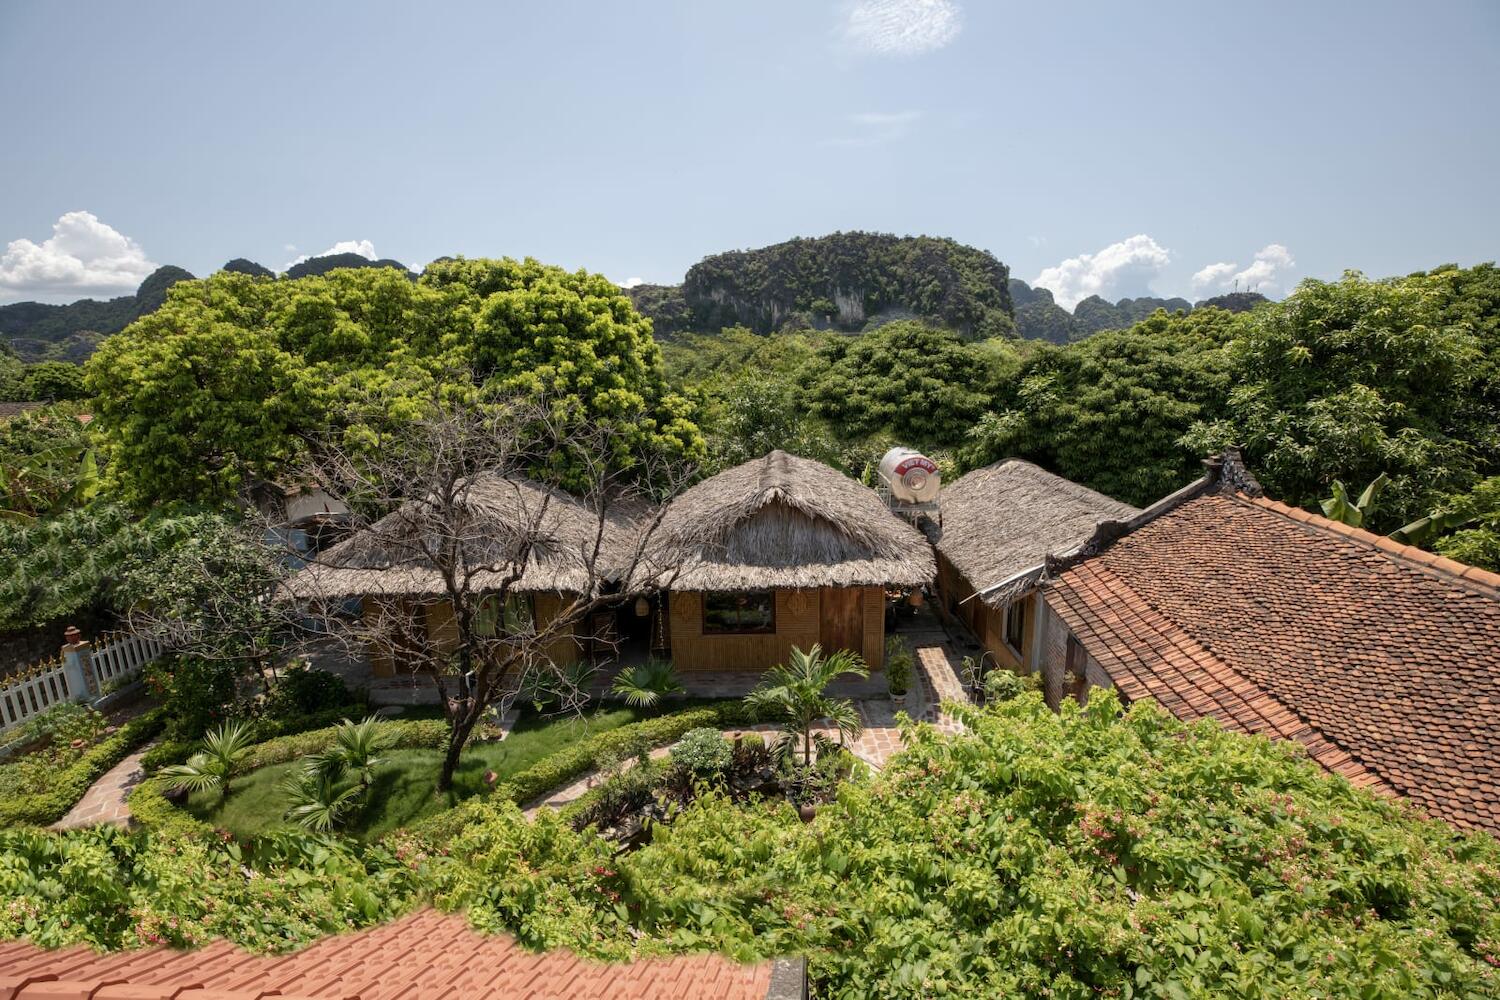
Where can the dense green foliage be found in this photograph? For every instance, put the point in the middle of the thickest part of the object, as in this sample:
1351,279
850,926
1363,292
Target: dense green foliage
843,281
1350,379
232,378
1066,855
109,889
42,790
1109,411
905,379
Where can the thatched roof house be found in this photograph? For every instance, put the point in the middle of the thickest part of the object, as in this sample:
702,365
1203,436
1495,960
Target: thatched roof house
782,551
1003,520
999,524
785,521
388,558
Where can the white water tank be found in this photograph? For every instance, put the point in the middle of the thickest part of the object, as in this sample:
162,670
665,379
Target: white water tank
911,476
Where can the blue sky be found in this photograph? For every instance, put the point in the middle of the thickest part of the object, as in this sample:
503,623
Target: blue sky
1105,147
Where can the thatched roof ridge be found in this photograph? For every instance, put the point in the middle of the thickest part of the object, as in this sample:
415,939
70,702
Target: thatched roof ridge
387,558
785,521
1004,519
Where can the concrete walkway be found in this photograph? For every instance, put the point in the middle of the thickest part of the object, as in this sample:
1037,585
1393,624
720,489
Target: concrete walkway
105,801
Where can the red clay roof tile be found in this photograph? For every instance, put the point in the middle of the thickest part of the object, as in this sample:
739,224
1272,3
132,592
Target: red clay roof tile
423,956
1382,659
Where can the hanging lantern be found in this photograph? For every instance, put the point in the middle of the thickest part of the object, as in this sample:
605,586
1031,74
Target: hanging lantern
642,607
916,599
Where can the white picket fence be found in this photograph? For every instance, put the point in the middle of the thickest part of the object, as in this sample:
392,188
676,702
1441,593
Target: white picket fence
119,656
32,692
81,674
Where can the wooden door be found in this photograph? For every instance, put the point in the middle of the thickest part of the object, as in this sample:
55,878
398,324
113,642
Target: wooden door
842,625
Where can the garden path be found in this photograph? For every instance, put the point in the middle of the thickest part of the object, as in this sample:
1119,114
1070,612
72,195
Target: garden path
106,799
938,675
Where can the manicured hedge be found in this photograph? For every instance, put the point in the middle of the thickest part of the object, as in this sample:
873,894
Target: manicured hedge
176,751
579,759
149,805
71,782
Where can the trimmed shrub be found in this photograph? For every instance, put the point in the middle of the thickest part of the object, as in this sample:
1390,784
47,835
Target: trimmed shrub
263,729
704,751
69,783
302,691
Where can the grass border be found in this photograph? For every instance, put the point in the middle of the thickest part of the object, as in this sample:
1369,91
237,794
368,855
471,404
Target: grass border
71,783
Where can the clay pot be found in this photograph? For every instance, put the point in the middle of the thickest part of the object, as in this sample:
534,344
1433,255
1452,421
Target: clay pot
807,811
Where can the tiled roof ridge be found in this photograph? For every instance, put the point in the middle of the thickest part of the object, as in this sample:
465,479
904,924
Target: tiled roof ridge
1482,580
1320,747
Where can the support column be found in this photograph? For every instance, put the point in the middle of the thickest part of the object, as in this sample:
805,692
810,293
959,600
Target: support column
1038,637
78,666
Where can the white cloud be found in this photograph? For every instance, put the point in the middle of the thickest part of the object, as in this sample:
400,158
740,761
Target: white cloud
83,256
872,128
1121,269
1213,276
632,282
1268,273
364,248
901,27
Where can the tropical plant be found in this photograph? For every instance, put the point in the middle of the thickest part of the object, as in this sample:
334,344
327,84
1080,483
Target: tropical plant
645,684
1341,509
319,801
210,768
704,752
795,694
898,666
358,748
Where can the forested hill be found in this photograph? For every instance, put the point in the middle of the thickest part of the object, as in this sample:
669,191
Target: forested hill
843,282
38,331
1039,317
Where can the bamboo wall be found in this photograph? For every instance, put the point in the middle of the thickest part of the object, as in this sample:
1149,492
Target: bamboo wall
441,627
798,623
987,623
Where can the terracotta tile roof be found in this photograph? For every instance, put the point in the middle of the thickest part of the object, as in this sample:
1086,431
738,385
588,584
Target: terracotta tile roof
1382,659
424,956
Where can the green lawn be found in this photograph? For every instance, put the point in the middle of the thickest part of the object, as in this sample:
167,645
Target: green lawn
402,790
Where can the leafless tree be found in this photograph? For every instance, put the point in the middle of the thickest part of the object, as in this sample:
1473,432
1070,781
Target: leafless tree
454,512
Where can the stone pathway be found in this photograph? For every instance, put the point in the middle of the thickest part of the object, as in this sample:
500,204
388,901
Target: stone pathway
105,801
938,676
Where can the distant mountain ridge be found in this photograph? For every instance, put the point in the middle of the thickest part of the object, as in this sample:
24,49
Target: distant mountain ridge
1039,317
40,331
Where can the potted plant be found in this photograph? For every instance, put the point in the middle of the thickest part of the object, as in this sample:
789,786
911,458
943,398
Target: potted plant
898,666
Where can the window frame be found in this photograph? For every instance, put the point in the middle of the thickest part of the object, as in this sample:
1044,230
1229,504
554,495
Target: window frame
1018,605
706,629
518,610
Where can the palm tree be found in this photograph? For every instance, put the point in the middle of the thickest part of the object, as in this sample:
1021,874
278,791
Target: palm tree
211,767
357,749
644,684
317,801
795,694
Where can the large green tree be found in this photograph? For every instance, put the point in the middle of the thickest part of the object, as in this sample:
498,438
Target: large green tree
920,384
232,378
1109,411
1353,378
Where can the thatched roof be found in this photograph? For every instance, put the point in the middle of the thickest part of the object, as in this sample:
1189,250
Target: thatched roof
387,558
1004,519
784,521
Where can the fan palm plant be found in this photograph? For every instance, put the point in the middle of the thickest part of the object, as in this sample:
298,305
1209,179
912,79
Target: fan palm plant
795,694
317,801
210,768
358,748
645,684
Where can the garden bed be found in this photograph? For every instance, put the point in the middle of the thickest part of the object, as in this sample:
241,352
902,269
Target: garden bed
401,790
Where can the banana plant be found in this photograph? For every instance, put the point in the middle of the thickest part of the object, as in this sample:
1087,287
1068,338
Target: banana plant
1339,508
31,486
